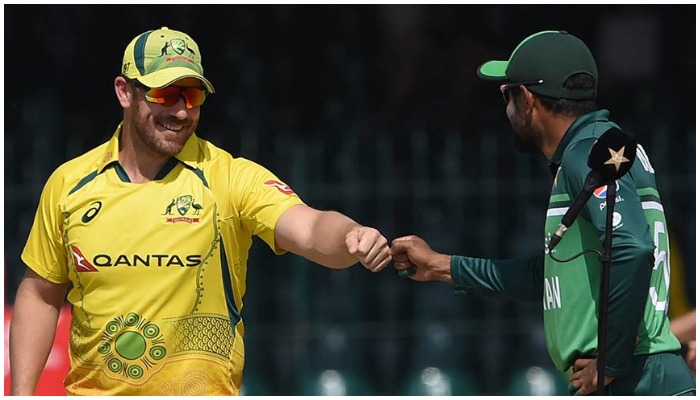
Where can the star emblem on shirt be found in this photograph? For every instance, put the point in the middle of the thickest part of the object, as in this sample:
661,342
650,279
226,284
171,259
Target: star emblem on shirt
617,157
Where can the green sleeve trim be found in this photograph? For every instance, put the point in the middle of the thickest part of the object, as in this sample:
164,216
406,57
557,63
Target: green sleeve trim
649,191
559,197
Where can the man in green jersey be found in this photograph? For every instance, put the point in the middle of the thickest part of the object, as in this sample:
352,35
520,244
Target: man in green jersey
152,230
549,85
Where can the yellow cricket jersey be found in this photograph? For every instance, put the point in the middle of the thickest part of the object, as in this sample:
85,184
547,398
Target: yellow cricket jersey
158,269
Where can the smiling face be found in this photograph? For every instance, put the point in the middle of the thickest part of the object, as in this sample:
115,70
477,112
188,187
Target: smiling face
162,130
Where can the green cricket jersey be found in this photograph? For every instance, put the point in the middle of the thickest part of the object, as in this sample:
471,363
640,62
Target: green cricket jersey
640,272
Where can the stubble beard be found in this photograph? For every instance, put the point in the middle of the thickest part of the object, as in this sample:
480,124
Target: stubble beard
160,143
526,139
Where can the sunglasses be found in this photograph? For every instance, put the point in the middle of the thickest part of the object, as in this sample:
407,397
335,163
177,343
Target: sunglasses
169,95
507,86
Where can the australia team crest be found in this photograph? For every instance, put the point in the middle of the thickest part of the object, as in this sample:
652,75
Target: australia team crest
186,207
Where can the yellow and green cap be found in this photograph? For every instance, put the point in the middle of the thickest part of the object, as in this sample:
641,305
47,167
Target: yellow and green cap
550,56
160,57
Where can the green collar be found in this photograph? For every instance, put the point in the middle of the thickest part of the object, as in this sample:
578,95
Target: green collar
574,129
189,155
124,177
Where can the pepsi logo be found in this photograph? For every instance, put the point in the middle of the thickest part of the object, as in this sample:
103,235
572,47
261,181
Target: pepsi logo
602,191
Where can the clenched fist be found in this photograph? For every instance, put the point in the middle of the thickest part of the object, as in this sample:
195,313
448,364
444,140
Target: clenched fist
413,253
369,246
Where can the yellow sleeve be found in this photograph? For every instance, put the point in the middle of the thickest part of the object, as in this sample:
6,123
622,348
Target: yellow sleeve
261,198
44,251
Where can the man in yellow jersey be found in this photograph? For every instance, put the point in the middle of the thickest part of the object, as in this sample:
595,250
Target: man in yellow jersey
152,230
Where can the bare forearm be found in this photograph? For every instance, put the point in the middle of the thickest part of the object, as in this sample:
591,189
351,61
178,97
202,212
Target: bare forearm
32,332
684,327
331,239
328,246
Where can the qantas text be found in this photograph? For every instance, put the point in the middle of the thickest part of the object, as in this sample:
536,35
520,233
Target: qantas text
148,260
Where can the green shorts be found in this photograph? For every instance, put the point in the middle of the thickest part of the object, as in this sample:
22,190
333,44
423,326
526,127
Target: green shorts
662,374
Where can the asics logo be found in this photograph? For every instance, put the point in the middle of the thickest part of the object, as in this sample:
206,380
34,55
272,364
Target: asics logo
92,212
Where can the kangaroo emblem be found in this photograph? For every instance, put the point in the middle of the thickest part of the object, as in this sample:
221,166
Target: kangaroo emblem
169,208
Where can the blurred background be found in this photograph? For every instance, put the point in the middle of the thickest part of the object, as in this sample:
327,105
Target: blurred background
376,111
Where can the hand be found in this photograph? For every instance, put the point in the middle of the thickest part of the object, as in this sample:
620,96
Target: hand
413,252
369,247
585,376
690,355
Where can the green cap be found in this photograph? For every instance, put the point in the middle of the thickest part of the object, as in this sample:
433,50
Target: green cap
550,56
160,57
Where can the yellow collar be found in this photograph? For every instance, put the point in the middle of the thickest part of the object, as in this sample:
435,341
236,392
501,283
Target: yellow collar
189,155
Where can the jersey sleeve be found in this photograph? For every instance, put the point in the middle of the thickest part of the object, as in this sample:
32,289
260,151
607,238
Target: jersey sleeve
44,251
632,256
261,199
514,279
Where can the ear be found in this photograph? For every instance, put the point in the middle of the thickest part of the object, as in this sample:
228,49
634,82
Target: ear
123,91
528,99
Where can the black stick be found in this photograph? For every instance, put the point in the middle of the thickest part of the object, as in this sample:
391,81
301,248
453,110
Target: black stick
604,293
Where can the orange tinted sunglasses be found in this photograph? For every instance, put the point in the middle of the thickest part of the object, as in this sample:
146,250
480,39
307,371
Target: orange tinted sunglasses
169,95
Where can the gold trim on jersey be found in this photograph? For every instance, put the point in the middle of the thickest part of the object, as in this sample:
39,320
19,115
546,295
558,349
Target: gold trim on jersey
209,334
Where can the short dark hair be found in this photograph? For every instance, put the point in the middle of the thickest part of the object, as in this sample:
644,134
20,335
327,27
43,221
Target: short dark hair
135,83
570,107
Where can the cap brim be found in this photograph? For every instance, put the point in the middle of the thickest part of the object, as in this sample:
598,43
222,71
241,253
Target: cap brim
167,76
493,70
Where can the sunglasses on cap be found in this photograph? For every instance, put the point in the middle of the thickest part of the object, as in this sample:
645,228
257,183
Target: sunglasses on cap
169,95
507,86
